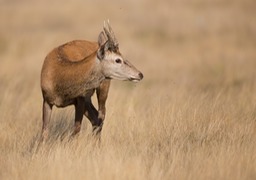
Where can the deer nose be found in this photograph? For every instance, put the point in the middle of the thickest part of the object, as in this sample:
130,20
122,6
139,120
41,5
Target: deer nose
141,75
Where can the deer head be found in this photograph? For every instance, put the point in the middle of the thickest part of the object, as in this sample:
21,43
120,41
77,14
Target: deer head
113,63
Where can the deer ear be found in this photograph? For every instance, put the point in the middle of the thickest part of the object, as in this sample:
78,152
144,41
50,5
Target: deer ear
101,52
102,39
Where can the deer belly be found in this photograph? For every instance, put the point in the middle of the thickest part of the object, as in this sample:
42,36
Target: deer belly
66,99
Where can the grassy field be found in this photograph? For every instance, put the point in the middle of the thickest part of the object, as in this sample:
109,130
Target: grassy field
192,117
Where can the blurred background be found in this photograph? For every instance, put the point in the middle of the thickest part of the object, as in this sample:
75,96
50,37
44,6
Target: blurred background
174,41
184,48
191,117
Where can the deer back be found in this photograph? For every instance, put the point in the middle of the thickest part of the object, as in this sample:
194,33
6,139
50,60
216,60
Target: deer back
76,50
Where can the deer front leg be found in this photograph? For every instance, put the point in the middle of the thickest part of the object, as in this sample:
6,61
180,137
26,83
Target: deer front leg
47,110
92,114
79,110
102,94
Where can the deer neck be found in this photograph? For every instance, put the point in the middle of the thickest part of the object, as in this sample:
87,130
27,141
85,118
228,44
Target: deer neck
92,72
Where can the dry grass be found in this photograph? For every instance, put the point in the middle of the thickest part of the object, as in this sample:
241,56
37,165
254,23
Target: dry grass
192,117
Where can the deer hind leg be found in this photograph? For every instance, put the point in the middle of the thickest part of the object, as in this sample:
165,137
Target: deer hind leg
47,110
79,110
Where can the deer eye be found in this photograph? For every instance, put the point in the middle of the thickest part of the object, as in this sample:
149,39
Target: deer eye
118,61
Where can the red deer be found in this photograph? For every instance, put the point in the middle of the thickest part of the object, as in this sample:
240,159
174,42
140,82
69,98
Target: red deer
73,71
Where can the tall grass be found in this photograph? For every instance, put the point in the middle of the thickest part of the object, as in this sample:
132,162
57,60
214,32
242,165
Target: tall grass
192,117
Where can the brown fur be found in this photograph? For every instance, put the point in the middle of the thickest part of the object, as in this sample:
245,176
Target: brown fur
75,51
70,75
67,72
73,71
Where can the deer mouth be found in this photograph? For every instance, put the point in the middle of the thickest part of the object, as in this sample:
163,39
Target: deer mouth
134,79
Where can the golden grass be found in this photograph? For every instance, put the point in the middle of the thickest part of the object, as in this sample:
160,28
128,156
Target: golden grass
192,117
